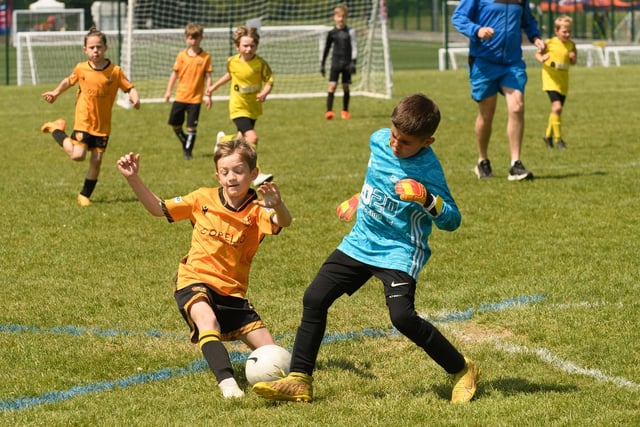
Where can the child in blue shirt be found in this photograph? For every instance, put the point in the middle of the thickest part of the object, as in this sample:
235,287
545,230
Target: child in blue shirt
404,194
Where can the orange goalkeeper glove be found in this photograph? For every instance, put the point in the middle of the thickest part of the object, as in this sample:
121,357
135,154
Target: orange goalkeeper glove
347,209
412,191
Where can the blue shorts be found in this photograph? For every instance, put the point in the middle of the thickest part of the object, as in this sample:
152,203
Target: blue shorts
488,78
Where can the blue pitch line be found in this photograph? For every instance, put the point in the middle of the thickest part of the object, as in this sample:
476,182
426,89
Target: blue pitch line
59,396
199,365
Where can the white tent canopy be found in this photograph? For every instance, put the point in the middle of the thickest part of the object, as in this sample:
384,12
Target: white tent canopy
46,5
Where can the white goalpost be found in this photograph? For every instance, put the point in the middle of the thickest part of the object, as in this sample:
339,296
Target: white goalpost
292,37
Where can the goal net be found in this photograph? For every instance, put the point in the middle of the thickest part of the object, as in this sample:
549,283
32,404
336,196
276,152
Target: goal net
292,37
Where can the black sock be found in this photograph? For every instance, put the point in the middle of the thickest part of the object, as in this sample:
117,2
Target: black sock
190,141
181,135
88,187
216,355
59,136
330,101
345,100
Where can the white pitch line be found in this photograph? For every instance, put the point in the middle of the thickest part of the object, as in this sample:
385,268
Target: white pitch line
545,355
565,365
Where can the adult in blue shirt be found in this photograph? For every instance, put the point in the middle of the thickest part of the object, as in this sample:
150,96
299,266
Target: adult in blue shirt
404,193
494,29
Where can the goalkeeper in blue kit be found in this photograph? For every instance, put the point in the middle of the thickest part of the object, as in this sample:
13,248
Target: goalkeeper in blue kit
404,194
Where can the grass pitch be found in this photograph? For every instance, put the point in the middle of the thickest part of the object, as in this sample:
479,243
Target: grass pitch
539,285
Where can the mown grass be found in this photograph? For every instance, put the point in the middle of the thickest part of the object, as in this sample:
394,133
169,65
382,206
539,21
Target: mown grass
539,285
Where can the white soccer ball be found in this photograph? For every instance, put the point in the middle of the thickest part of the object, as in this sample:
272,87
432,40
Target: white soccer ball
267,363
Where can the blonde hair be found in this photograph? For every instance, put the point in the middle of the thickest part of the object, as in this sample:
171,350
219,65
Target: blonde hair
193,30
341,8
562,21
246,151
243,31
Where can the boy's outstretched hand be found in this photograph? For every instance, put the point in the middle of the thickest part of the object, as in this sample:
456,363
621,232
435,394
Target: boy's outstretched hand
129,164
270,195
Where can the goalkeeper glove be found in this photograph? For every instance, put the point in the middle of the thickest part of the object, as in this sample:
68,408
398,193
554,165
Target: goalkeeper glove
412,191
347,209
352,67
322,71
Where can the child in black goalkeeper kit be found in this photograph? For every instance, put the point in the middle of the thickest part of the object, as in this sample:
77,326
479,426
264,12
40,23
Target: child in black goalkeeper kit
343,60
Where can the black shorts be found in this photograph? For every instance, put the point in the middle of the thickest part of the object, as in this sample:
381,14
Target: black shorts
236,316
93,142
244,124
341,274
335,72
178,111
556,96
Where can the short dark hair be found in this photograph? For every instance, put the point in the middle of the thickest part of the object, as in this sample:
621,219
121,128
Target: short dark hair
416,115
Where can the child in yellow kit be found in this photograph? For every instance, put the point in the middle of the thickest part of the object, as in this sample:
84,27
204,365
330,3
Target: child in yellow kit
559,55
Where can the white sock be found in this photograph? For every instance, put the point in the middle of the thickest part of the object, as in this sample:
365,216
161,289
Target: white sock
229,388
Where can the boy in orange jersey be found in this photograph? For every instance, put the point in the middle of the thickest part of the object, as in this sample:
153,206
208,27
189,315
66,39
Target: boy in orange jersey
559,55
229,222
190,69
251,81
98,83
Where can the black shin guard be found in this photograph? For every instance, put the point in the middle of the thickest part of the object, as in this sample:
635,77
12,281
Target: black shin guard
216,355
88,187
181,135
190,141
59,136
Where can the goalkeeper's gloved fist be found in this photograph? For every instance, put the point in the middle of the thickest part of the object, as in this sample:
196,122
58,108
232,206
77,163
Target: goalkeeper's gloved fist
322,71
412,191
347,209
352,67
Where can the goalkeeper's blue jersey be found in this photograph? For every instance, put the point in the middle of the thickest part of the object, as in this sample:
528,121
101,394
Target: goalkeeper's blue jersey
389,232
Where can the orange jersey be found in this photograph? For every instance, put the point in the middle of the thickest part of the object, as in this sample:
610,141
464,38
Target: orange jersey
97,90
247,80
192,71
224,240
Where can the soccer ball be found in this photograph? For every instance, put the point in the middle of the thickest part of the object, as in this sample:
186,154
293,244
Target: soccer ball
267,363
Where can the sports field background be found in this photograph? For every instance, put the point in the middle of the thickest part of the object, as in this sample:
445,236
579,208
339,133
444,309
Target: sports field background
539,285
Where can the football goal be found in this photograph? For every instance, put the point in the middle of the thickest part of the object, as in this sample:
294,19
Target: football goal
292,37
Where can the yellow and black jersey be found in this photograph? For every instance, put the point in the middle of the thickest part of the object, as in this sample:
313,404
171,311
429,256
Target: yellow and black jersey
224,240
192,71
97,90
247,80
555,70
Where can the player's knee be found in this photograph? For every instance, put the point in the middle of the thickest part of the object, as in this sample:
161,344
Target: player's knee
313,299
404,321
402,314
251,138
